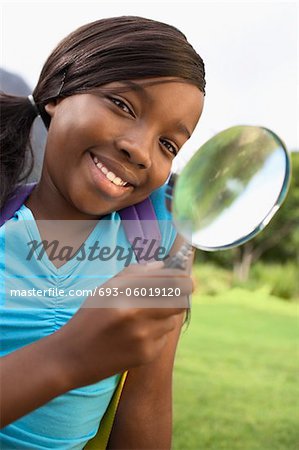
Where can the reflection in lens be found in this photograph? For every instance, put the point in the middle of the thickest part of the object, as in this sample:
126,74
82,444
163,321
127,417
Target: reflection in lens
230,186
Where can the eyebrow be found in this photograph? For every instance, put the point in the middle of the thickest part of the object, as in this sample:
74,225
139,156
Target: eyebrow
135,87
180,127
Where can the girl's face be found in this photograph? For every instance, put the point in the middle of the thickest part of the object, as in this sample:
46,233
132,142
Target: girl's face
107,151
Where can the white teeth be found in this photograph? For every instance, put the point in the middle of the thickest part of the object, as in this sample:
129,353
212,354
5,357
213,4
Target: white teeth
110,175
118,181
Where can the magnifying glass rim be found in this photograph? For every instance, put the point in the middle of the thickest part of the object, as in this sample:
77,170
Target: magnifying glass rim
280,198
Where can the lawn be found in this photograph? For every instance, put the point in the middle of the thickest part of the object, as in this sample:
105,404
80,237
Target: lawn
236,374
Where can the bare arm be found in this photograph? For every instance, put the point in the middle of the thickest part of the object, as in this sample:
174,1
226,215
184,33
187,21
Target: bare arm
69,358
34,374
30,377
144,415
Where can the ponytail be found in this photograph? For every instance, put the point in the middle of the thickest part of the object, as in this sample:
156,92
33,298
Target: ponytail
16,157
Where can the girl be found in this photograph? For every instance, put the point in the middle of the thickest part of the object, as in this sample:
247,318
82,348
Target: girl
119,97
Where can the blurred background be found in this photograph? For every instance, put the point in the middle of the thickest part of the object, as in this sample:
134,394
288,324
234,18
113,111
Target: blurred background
236,375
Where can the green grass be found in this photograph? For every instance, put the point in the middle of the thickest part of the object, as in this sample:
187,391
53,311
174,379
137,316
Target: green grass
236,374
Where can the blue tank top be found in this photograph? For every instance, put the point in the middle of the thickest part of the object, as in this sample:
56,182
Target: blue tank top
70,420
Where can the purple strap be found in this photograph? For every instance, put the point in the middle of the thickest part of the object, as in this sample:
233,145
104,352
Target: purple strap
139,221
15,202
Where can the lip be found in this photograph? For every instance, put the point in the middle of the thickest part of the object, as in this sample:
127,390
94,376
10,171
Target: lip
120,170
103,184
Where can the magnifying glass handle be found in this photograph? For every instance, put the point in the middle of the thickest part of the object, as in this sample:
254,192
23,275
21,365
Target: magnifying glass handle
180,259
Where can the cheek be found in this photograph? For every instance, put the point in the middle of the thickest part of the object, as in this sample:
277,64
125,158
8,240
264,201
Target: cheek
94,129
79,130
160,171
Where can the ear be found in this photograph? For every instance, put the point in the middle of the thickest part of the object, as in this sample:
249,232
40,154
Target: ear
51,106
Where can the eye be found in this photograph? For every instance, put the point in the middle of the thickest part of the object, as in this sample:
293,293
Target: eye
170,147
122,105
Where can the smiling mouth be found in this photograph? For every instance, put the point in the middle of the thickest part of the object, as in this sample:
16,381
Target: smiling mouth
111,176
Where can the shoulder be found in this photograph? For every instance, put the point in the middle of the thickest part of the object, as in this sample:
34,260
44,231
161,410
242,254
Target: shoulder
164,217
158,200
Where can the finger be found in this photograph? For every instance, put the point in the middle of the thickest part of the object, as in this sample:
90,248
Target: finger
142,268
150,269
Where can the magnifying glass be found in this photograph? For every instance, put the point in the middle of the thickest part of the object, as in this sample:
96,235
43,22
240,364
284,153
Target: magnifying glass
229,190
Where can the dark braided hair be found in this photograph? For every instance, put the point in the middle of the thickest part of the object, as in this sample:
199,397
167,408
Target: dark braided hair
115,49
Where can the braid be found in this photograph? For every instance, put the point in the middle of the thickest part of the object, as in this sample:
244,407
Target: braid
17,117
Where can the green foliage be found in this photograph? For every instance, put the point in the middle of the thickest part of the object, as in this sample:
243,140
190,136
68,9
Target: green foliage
280,239
235,382
211,279
281,279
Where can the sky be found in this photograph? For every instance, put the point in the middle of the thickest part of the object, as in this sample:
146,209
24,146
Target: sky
250,50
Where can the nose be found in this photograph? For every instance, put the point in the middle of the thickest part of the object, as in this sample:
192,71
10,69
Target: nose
136,150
